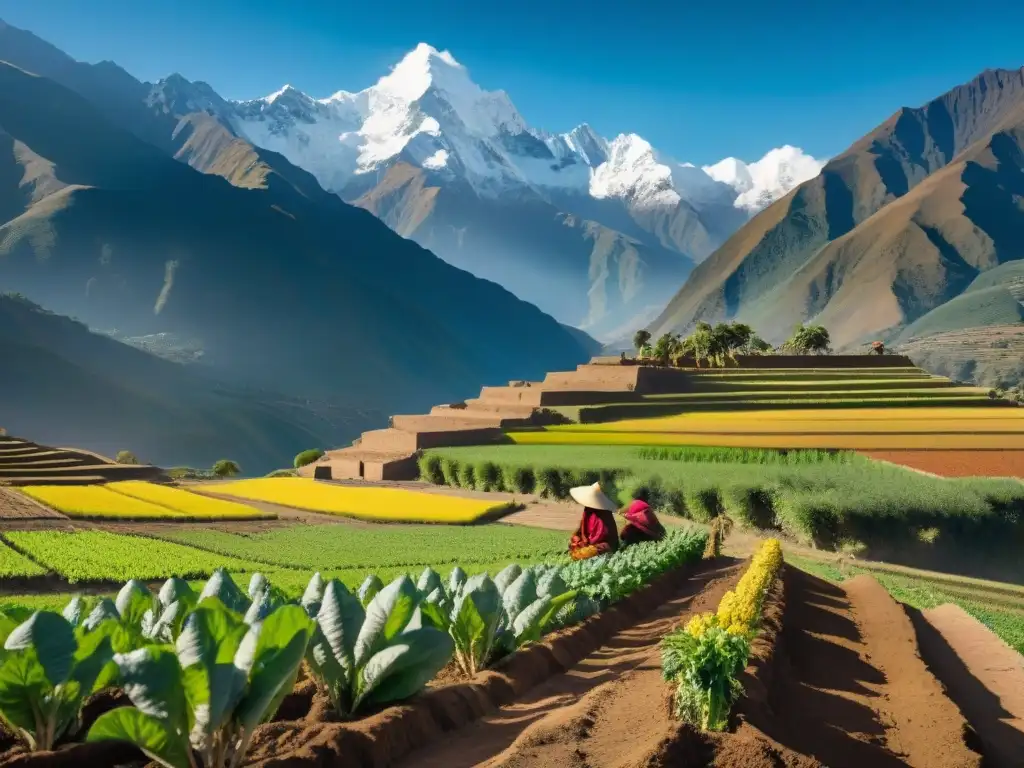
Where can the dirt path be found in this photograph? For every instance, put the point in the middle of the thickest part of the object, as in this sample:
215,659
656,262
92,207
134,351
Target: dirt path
608,710
982,674
851,688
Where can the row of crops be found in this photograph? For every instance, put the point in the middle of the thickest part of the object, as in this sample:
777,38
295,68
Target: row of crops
346,552
205,668
825,499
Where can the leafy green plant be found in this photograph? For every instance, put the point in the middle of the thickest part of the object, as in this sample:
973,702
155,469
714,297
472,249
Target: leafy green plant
226,468
705,671
376,656
221,680
47,669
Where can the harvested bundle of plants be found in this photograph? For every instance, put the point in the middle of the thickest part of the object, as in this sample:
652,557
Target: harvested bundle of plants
197,703
47,669
378,655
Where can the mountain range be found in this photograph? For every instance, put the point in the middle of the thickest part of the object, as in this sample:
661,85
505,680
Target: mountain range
128,206
595,232
914,231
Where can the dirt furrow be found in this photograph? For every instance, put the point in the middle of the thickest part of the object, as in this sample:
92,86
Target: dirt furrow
850,687
608,710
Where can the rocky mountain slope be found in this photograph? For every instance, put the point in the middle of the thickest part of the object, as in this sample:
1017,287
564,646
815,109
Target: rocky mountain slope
899,224
65,385
590,230
286,287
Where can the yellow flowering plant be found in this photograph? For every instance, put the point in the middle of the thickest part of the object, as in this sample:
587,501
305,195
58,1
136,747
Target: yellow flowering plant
704,658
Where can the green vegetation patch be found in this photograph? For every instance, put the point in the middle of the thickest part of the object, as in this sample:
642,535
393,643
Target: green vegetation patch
821,499
324,547
102,556
15,565
972,309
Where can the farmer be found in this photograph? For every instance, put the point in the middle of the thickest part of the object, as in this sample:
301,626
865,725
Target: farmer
597,532
641,524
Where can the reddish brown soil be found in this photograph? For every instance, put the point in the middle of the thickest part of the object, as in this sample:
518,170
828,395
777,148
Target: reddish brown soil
601,649
849,687
958,463
18,506
983,675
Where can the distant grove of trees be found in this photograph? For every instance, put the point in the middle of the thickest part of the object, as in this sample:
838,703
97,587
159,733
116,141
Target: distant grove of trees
716,344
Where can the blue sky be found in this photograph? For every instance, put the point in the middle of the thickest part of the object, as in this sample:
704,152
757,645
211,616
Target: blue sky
699,80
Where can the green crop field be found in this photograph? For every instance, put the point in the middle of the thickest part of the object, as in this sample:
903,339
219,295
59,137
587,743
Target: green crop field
342,546
829,500
14,565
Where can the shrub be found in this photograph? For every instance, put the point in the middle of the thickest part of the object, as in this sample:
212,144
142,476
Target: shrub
703,503
488,476
282,473
430,468
307,457
226,468
450,471
466,476
126,457
518,479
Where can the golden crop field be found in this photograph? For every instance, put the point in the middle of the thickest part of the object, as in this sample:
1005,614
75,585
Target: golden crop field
387,504
854,429
191,505
97,501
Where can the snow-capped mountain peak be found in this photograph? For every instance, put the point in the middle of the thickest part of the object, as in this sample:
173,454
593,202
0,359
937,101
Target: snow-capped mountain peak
762,182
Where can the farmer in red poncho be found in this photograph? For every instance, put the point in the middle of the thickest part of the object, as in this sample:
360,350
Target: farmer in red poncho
597,533
641,524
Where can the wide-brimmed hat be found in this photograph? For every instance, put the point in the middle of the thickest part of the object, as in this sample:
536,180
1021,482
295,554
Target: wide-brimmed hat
592,496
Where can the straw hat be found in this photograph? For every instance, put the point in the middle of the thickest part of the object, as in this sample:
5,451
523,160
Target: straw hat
592,496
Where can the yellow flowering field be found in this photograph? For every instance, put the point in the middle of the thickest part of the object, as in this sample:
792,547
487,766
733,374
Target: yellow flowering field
97,501
192,505
851,429
368,503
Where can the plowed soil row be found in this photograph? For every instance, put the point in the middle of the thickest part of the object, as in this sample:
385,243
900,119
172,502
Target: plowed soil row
950,463
18,506
847,687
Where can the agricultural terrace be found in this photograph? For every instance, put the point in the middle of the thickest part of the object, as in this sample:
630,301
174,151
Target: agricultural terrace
834,500
876,429
136,500
366,503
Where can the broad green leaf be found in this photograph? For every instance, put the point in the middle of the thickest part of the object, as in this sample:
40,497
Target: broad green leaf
340,619
550,584
520,593
222,587
150,734
506,576
314,595
52,639
105,610
475,617
402,669
92,656
386,616
369,588
23,685
433,615
429,581
326,669
206,650
74,611
168,626
456,582
281,644
151,678
174,589
258,584
262,605
528,623
133,601
556,605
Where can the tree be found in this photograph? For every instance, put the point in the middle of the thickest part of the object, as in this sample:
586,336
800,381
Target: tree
640,339
807,339
226,468
666,346
757,346
126,457
307,457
